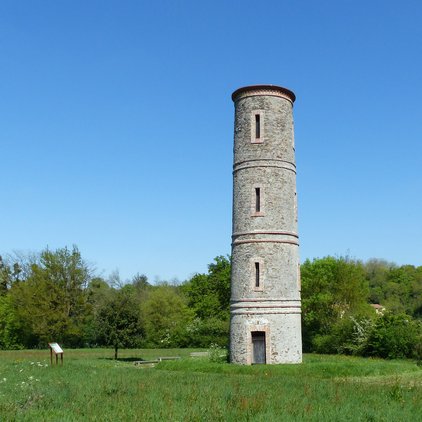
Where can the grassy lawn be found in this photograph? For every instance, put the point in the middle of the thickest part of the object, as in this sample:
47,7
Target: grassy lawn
92,386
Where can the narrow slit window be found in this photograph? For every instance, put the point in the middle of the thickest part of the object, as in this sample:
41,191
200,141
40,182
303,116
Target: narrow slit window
257,199
257,275
257,126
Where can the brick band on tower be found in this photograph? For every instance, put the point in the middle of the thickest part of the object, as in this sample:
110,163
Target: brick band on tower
265,325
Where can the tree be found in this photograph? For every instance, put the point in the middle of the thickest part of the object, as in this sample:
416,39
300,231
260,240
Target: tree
140,282
394,336
209,297
8,275
166,316
399,289
138,288
4,277
118,321
332,289
52,302
403,291
97,293
11,330
209,294
377,271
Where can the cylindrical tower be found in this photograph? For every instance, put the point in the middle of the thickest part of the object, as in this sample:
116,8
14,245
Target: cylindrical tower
265,325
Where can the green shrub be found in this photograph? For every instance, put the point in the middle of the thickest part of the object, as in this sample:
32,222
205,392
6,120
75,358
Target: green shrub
348,336
393,336
217,353
418,351
204,332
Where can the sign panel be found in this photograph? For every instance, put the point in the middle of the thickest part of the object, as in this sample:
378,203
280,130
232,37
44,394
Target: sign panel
56,348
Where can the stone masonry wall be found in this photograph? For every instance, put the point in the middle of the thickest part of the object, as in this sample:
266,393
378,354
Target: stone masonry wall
269,236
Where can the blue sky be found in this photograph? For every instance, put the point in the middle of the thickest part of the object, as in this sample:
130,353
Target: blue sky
116,126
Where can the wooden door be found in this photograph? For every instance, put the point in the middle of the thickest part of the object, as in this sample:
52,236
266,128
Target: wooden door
258,347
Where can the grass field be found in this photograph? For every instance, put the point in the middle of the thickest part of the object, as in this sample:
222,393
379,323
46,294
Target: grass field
91,386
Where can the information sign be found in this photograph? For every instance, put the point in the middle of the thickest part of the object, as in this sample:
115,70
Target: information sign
57,350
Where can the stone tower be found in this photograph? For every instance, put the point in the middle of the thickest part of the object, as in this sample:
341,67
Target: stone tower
265,325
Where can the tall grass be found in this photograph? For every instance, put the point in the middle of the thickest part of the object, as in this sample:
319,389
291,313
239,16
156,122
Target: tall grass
91,386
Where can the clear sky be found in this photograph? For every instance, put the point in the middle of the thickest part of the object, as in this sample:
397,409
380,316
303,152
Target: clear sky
116,126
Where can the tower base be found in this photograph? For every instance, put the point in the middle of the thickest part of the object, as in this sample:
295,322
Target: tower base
265,336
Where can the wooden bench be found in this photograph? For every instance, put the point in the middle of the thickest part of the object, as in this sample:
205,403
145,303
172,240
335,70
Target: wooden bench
158,360
199,354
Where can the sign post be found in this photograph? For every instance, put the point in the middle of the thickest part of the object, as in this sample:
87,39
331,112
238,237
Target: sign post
56,350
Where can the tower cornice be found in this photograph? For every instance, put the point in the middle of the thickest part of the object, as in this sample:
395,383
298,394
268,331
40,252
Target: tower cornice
259,90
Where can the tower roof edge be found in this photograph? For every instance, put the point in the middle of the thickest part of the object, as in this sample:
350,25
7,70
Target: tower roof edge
252,90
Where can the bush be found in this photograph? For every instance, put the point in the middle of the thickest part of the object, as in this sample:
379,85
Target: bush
204,332
348,336
217,354
393,336
418,351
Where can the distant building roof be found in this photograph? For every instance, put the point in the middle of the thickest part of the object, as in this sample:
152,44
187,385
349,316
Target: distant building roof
379,309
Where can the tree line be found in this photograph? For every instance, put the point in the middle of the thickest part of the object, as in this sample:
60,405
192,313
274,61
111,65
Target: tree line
54,296
366,309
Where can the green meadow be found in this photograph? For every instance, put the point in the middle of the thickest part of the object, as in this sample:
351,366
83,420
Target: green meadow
91,386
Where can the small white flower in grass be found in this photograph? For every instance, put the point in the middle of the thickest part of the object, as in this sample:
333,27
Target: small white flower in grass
36,379
32,363
4,379
31,378
20,370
